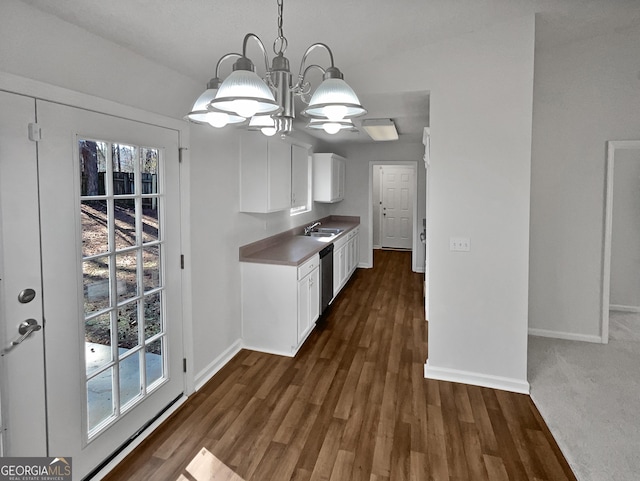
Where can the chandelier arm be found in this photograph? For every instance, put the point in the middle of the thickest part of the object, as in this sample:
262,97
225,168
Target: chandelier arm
260,44
223,58
308,51
299,86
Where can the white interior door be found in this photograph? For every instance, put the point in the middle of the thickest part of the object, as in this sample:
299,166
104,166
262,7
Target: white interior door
110,236
397,207
22,385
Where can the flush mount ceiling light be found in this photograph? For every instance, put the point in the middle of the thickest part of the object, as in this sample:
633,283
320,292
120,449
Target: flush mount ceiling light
269,102
380,129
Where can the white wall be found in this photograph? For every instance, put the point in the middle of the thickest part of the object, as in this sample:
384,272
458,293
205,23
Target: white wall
481,88
585,93
40,46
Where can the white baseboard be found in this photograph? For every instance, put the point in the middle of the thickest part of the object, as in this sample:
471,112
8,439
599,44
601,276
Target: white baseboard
569,336
218,363
274,352
618,307
476,379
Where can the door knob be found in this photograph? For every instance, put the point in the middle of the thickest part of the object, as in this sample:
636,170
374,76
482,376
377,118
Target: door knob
26,296
26,328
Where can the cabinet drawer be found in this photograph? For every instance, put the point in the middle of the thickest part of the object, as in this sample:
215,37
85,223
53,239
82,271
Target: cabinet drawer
308,266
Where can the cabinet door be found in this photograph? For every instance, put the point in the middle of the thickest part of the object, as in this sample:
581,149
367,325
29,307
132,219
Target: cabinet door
335,178
339,170
356,251
337,254
308,302
342,265
351,263
304,295
314,296
299,176
279,176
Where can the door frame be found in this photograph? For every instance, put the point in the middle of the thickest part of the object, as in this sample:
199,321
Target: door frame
414,243
43,91
612,146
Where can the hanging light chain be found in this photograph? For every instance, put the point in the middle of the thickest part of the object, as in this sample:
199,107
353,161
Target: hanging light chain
280,44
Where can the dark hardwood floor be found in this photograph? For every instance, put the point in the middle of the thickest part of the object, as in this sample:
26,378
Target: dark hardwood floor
352,405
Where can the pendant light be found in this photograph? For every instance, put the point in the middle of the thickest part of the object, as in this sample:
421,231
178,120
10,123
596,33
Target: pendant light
244,95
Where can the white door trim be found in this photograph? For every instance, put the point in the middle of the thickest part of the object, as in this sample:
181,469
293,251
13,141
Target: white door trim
40,90
612,146
414,244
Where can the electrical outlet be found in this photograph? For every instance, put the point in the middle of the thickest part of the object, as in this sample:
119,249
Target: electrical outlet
459,244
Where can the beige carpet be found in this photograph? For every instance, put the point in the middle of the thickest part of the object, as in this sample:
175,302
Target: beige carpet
589,395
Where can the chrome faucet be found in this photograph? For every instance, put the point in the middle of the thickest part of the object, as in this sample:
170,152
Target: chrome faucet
310,228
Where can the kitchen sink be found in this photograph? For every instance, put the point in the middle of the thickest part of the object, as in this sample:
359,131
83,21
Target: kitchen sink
324,232
328,230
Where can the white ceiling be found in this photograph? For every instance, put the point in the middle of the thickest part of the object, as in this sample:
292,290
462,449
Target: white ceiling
190,35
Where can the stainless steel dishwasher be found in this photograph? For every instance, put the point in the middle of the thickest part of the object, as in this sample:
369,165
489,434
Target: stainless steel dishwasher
326,276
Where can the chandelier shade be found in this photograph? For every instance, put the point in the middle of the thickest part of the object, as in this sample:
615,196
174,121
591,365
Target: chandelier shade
265,123
331,127
334,100
201,114
245,94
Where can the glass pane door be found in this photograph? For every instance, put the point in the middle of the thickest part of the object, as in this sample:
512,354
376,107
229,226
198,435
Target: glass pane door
122,255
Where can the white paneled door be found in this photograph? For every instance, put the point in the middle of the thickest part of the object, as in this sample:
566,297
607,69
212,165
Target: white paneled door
22,398
397,206
109,254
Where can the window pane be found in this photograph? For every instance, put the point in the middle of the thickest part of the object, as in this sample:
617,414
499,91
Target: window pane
125,223
151,267
95,277
152,315
126,269
100,398
124,158
128,326
153,359
150,219
130,385
97,342
93,166
149,170
95,232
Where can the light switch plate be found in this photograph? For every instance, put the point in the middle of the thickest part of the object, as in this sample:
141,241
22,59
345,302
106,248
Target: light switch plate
459,244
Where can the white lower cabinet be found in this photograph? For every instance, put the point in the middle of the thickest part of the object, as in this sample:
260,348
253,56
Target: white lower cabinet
346,254
280,305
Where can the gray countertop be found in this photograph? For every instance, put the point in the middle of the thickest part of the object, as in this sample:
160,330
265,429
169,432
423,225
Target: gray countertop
291,248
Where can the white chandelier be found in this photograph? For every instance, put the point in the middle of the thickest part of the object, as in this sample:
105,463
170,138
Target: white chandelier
268,104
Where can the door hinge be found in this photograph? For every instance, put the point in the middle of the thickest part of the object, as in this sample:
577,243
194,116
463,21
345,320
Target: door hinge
181,261
35,132
180,149
184,364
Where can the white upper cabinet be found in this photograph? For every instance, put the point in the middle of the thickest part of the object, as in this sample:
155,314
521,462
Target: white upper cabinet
274,174
328,177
